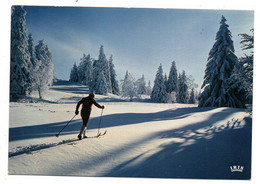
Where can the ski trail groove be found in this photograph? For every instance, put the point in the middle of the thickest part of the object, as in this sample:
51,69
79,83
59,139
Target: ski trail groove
32,148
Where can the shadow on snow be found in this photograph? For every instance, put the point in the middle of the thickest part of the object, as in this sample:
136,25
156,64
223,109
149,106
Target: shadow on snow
207,154
112,120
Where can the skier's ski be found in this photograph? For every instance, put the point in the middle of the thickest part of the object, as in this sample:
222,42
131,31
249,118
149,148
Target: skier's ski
96,136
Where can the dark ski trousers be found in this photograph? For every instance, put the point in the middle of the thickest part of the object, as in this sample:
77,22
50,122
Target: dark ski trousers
85,114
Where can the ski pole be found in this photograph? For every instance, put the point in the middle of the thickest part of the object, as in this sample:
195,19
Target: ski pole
57,135
100,121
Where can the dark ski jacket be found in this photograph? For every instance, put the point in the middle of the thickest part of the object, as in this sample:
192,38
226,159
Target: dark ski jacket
87,103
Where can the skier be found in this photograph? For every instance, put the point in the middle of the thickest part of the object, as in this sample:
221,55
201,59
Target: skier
87,103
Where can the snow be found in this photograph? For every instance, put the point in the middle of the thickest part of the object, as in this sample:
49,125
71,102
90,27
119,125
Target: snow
143,139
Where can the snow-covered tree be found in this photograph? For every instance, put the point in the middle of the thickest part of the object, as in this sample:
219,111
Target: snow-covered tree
85,70
20,76
148,89
74,74
173,79
221,62
242,75
128,87
182,94
101,87
31,50
192,98
140,85
45,68
89,71
101,66
114,82
159,93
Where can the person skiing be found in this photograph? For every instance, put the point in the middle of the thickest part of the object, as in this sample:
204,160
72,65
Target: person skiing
87,103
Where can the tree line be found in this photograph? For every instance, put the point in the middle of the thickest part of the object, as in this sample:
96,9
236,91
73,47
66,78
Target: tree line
31,67
228,80
99,74
174,88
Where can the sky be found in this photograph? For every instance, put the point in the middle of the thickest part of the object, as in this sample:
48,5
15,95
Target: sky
140,39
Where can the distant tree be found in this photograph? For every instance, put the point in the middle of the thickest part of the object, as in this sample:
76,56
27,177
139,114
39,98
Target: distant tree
101,87
182,94
148,88
74,74
89,71
114,82
159,93
221,62
21,66
140,85
192,98
85,70
101,66
173,79
128,87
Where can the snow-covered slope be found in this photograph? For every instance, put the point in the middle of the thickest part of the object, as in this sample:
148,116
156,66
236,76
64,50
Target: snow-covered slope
143,139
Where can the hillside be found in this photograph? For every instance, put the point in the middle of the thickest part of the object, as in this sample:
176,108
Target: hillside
143,139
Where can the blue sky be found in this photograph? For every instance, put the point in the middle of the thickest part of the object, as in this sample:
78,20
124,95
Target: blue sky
138,39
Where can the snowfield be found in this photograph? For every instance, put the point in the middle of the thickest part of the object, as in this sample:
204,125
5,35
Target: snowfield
143,139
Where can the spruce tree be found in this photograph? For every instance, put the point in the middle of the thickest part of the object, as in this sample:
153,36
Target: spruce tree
128,87
101,87
101,66
192,98
242,75
20,65
140,85
114,82
221,62
88,71
183,94
159,93
85,70
173,79
74,74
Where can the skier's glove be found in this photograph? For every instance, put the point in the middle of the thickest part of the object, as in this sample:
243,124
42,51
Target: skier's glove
103,107
76,112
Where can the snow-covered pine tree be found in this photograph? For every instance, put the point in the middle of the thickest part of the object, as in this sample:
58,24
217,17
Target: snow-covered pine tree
45,72
173,79
159,93
81,69
101,66
242,75
31,50
183,94
101,87
89,71
192,98
221,62
114,82
20,65
74,74
33,60
166,81
128,87
85,70
148,89
140,85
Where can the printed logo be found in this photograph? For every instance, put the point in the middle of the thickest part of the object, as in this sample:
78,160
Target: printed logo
236,168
